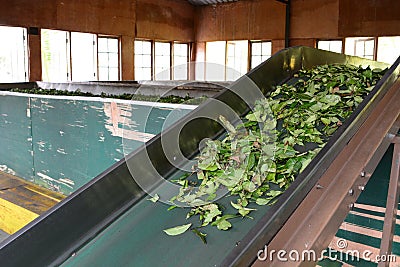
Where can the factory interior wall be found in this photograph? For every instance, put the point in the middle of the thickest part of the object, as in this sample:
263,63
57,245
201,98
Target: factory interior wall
177,20
310,20
150,19
166,20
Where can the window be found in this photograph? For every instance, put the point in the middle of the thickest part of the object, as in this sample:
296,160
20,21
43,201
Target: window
215,61
361,47
226,60
388,49
13,54
143,60
260,51
162,61
83,56
108,59
181,58
154,60
55,56
330,45
237,53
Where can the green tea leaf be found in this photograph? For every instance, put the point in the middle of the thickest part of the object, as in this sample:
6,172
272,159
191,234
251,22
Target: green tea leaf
177,230
155,198
263,201
201,235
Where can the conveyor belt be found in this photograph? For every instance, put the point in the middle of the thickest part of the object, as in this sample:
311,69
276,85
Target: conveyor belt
109,222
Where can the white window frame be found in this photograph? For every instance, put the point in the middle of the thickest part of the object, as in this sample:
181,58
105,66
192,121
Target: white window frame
329,42
18,68
363,40
92,43
153,56
108,67
390,53
263,55
178,67
136,53
156,73
229,70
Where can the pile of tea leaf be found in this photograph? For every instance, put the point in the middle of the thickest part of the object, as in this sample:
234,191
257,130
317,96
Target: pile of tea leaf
259,158
152,98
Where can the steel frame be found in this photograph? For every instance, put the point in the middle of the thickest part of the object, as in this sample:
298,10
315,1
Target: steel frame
315,221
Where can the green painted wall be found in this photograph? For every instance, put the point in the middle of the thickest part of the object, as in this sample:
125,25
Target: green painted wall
64,143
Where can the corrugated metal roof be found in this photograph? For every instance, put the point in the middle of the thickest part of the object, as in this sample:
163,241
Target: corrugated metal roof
209,2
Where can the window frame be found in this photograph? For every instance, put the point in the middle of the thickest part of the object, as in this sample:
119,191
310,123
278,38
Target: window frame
96,65
118,38
151,57
154,62
25,46
173,59
328,40
251,42
369,38
95,56
378,43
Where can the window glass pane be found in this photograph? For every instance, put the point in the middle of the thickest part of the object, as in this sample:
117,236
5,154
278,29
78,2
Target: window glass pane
113,45
83,50
266,48
237,59
146,74
146,48
146,61
108,57
102,45
103,60
113,74
143,58
138,47
162,48
336,46
181,61
360,46
360,51
55,56
255,61
369,47
388,49
256,49
332,45
215,58
162,60
13,54
323,45
113,60
103,74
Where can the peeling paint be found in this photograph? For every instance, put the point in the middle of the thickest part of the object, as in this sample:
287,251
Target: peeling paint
49,179
6,169
62,151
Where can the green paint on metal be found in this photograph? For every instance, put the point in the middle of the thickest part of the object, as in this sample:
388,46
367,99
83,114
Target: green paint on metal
64,143
15,137
137,239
